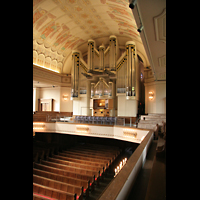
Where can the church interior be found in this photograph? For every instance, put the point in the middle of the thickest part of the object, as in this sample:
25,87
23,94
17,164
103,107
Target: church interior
99,99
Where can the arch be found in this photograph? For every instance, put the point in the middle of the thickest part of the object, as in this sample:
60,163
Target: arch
54,64
41,60
47,63
35,57
59,67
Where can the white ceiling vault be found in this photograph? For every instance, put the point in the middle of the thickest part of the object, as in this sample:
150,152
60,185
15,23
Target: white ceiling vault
60,26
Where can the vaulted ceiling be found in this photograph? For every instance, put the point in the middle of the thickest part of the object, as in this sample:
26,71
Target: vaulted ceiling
59,26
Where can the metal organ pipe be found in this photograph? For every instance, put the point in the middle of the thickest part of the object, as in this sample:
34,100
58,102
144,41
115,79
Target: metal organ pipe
90,55
101,55
131,70
113,41
75,74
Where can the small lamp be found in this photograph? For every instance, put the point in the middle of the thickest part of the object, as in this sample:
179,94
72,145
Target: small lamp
151,95
65,97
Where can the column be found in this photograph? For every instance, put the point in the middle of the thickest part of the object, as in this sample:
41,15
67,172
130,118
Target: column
131,70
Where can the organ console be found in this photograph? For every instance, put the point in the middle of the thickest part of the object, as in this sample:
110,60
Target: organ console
102,107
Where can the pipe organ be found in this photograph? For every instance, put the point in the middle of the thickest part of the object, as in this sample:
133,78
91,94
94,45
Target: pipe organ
112,75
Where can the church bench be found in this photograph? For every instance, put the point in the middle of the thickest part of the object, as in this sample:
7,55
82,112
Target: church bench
96,164
88,155
54,193
67,173
96,150
64,179
103,150
73,164
58,185
75,170
105,155
101,147
44,152
41,197
84,157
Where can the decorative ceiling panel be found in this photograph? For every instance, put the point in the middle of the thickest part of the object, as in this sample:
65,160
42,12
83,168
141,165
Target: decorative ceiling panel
63,25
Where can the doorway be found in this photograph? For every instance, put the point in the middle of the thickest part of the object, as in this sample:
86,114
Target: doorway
45,104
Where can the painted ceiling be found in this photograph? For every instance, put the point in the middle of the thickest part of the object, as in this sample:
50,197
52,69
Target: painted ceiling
62,25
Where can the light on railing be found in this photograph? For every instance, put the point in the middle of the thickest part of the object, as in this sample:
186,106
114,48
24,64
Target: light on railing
38,125
82,129
121,165
129,133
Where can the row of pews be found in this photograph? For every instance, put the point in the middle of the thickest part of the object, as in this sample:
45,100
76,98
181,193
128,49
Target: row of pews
71,174
154,121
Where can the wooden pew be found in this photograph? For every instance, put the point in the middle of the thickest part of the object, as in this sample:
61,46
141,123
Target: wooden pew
59,185
83,154
100,151
80,161
53,193
101,146
41,197
105,162
64,179
67,173
108,156
76,170
73,164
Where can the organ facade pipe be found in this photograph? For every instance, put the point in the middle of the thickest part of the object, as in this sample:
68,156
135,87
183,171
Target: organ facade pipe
131,70
101,56
113,43
90,55
75,74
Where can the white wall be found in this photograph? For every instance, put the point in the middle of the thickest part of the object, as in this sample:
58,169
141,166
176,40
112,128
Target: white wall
158,104
57,93
66,106
80,106
126,107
